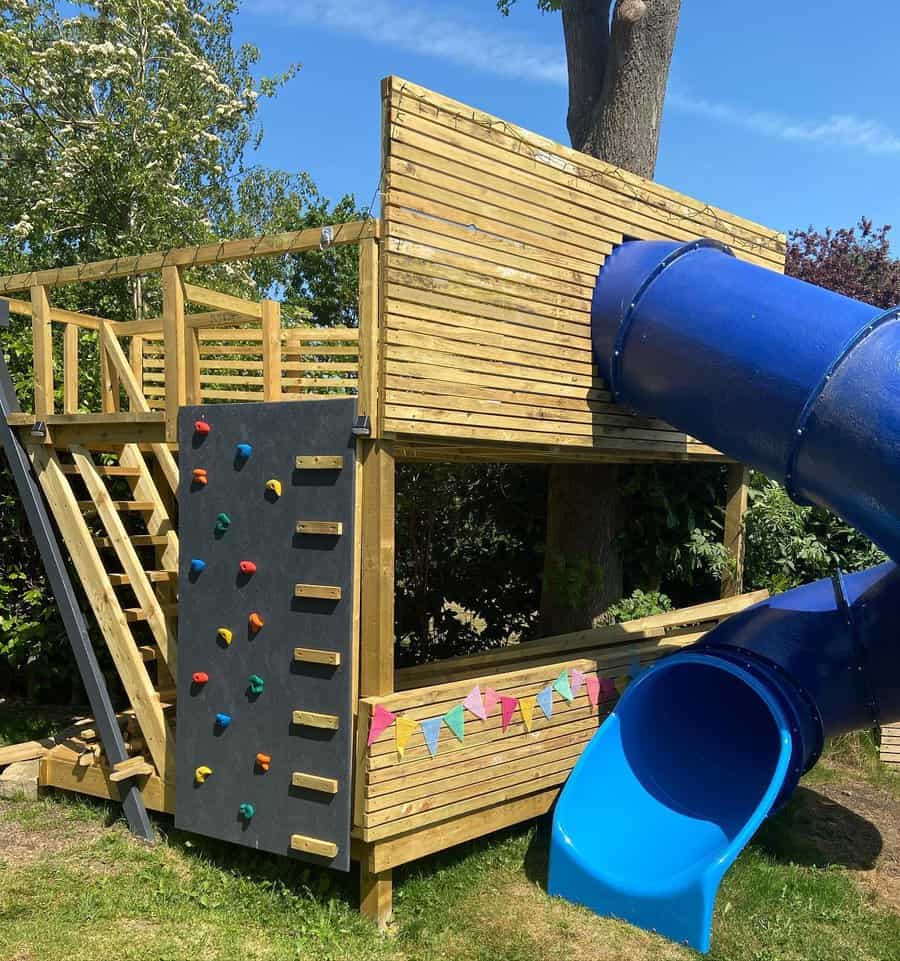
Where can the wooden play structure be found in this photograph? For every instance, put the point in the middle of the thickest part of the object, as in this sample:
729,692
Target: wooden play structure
473,344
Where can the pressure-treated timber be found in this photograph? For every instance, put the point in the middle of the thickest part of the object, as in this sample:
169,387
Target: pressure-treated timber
328,722
173,334
313,782
324,592
325,849
309,655
737,497
42,343
70,369
319,462
335,528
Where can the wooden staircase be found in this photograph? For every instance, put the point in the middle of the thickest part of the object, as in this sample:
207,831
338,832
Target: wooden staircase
114,506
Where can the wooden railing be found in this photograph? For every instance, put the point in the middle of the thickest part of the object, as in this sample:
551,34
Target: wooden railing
235,350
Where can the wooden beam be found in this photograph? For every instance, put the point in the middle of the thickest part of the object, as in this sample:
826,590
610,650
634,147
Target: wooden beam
57,314
109,376
376,892
173,335
737,498
377,573
370,368
70,369
215,253
271,349
221,301
42,342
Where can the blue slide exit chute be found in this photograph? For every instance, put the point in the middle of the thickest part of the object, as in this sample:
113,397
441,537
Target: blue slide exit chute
803,384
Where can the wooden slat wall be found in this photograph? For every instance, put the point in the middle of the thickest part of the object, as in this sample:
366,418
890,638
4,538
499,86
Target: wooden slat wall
889,749
492,239
490,767
315,363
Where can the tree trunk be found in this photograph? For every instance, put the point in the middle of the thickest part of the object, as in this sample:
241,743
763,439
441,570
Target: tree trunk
617,85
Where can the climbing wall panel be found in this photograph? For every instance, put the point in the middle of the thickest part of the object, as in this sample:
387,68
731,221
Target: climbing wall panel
266,604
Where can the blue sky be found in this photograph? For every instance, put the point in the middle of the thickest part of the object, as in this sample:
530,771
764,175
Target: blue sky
785,114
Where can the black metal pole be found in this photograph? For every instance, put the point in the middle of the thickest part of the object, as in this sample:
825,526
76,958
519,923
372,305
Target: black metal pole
64,592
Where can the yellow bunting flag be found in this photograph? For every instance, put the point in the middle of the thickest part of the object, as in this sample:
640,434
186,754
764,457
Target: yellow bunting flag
403,731
526,706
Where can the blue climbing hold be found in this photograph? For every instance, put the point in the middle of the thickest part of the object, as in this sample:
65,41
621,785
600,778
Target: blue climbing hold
244,451
223,720
197,566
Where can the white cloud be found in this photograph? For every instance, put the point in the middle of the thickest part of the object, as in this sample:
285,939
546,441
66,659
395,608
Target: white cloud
437,30
838,130
430,30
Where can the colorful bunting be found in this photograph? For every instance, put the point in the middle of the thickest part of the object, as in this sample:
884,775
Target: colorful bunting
544,700
382,719
607,687
404,730
561,684
508,707
577,681
526,707
491,699
455,719
475,704
431,731
592,682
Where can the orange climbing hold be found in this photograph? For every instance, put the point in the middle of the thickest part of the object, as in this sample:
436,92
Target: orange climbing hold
199,475
247,567
200,677
201,427
256,622
263,761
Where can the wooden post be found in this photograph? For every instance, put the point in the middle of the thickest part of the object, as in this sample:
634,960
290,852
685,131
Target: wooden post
192,365
369,316
136,359
173,343
735,540
271,349
377,631
42,339
109,377
70,370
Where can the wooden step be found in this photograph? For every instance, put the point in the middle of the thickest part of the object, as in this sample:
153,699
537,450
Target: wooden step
136,507
135,614
137,540
155,577
106,470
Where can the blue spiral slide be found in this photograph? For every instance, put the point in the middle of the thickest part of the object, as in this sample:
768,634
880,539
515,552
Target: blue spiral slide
803,384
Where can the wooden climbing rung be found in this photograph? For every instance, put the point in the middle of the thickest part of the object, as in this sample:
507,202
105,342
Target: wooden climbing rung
309,655
155,577
323,592
325,849
312,782
106,470
137,540
329,722
319,462
89,507
133,614
148,653
320,527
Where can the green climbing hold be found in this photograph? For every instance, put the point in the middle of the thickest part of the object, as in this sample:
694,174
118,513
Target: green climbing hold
223,522
256,684
246,811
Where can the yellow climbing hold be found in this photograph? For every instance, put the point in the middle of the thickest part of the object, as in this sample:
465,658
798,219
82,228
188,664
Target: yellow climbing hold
202,773
225,635
274,486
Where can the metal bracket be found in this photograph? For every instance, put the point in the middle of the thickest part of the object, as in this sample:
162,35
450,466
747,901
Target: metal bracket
362,426
4,313
326,239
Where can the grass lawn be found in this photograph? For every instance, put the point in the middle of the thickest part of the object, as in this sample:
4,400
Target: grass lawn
821,881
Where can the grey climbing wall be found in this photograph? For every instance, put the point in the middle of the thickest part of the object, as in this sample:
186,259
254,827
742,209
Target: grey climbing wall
304,792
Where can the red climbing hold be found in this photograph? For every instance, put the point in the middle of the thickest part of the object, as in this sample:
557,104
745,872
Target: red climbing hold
247,567
200,677
201,427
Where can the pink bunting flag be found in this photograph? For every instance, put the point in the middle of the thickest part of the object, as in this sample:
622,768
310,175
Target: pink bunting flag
382,719
491,699
508,707
474,704
576,681
607,687
592,682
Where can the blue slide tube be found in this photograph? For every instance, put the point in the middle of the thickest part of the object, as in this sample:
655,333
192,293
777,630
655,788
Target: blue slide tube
804,385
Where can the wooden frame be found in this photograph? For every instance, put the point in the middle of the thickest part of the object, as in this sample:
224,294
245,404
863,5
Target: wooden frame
473,345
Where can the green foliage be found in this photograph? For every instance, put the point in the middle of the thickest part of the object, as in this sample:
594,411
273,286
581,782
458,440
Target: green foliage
469,556
788,545
545,6
639,604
